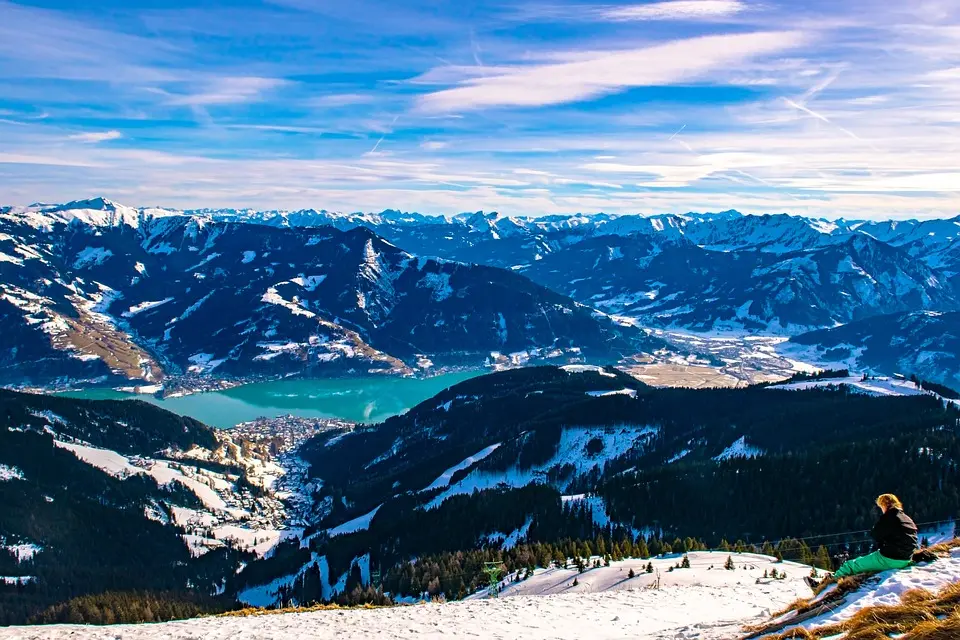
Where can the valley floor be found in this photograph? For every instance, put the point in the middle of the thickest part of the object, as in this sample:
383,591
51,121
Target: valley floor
705,602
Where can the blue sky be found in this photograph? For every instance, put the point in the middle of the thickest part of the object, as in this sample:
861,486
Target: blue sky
527,107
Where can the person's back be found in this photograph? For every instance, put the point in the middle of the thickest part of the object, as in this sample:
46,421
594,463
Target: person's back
896,534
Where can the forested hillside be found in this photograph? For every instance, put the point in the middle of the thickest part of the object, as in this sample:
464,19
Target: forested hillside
69,529
522,466
550,454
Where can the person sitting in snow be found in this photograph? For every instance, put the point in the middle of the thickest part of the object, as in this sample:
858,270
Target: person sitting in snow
896,537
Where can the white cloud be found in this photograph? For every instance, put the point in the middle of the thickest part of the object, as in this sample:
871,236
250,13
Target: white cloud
868,100
433,145
945,74
94,137
229,90
658,65
53,161
341,100
280,128
676,10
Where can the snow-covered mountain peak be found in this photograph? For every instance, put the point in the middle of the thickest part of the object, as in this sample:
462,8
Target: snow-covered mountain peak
99,203
93,212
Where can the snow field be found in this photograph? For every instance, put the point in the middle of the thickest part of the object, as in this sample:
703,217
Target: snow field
444,479
705,604
361,523
10,473
706,570
584,368
616,440
21,552
144,306
876,386
739,449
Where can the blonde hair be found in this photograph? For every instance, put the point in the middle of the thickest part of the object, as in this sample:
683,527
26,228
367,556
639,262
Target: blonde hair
889,501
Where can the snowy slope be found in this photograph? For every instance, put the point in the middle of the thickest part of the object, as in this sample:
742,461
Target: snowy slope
225,509
876,386
886,589
696,603
923,343
706,570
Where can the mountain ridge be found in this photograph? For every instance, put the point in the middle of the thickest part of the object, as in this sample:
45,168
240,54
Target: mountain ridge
142,297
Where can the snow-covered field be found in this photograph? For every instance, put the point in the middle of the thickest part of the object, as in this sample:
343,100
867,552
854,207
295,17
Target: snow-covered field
706,571
875,386
704,602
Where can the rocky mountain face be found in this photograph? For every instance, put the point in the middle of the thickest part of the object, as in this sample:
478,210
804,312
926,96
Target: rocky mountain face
773,273
97,289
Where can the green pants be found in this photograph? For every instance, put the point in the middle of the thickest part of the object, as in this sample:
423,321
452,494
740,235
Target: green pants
868,564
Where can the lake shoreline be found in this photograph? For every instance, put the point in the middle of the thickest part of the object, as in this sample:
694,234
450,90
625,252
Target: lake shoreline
193,385
360,399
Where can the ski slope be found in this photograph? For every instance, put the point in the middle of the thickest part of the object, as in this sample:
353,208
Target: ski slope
700,603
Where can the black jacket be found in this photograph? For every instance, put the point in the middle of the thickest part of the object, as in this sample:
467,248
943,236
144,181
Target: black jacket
896,535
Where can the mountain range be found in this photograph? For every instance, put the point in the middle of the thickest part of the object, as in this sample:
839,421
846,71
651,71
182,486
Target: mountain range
95,288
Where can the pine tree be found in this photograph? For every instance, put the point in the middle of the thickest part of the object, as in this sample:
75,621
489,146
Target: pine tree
822,559
728,565
631,574
655,546
686,562
649,567
641,549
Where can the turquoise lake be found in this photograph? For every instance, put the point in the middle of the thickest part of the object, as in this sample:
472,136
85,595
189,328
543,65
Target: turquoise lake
357,399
